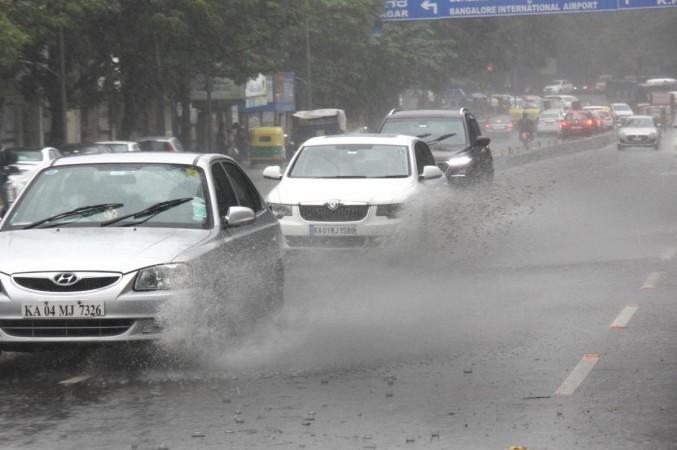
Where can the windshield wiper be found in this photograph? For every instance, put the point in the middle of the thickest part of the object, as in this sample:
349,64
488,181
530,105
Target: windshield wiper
440,138
421,136
84,211
149,212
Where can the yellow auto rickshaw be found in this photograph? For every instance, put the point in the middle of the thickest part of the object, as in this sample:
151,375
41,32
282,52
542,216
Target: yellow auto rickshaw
266,145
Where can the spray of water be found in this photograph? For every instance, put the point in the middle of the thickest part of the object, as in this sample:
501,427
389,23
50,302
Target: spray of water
353,307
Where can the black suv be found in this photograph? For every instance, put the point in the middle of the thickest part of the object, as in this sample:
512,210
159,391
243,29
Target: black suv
454,137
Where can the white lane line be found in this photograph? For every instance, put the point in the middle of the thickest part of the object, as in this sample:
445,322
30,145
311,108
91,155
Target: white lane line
652,280
669,254
74,380
624,317
576,377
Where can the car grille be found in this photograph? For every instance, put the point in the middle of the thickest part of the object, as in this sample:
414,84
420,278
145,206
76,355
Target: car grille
637,138
46,284
47,328
344,213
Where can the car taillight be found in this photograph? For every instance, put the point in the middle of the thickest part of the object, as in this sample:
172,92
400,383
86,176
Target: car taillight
487,126
510,125
589,122
565,123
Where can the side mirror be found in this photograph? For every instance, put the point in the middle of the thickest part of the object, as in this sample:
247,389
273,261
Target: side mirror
483,141
272,173
238,216
431,172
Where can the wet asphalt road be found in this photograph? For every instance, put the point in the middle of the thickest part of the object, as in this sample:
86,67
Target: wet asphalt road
456,338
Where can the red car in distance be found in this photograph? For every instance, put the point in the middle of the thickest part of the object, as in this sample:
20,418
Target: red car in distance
579,123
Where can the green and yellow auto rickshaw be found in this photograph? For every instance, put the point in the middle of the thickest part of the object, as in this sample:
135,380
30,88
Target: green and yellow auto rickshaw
266,145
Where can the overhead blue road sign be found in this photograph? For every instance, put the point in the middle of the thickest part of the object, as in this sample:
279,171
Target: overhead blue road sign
637,4
401,10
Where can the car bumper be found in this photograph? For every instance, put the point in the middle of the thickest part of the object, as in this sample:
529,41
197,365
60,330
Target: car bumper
128,316
646,141
369,231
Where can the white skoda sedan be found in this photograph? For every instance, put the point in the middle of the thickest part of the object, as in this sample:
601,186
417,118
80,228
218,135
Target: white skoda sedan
348,191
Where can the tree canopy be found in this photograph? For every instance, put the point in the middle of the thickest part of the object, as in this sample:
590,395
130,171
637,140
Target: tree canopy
132,52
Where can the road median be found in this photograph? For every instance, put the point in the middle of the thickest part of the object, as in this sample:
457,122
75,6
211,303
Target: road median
518,157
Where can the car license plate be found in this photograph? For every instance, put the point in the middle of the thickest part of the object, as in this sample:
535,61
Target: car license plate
499,127
333,230
62,309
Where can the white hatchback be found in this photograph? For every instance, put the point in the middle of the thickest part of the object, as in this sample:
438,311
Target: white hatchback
349,191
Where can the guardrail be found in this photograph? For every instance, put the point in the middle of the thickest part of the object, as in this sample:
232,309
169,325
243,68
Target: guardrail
561,148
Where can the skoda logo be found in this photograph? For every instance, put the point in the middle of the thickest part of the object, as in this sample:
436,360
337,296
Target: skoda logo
333,205
65,279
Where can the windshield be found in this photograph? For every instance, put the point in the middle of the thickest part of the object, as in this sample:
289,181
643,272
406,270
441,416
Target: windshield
638,122
621,108
135,186
428,128
549,116
352,161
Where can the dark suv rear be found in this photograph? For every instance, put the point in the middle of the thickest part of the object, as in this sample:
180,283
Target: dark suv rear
455,139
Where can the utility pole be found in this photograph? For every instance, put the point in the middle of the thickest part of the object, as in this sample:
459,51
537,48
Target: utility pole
309,74
62,78
209,111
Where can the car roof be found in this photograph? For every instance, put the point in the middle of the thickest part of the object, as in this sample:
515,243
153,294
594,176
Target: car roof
378,139
426,113
116,142
139,157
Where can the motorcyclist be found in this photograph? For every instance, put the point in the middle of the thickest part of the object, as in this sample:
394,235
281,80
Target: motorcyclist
525,126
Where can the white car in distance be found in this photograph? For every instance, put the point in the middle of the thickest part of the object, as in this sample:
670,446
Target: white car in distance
621,111
559,87
349,191
28,162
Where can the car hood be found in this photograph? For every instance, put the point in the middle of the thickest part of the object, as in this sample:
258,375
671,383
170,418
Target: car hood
640,131
360,190
115,249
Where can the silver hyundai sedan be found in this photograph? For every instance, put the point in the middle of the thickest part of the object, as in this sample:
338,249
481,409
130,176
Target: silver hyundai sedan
95,245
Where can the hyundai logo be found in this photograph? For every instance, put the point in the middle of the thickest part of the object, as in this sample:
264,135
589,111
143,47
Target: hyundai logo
333,205
65,279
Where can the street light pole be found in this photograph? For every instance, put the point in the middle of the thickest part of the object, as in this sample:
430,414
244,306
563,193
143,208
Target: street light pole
309,75
62,78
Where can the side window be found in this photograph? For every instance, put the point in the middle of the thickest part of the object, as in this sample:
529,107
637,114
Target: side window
424,157
225,197
245,191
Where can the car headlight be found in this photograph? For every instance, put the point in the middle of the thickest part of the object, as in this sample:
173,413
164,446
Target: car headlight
391,211
281,210
459,161
164,277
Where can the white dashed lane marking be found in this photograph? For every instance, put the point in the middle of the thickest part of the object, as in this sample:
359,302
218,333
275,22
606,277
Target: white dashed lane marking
624,317
578,375
75,380
652,280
